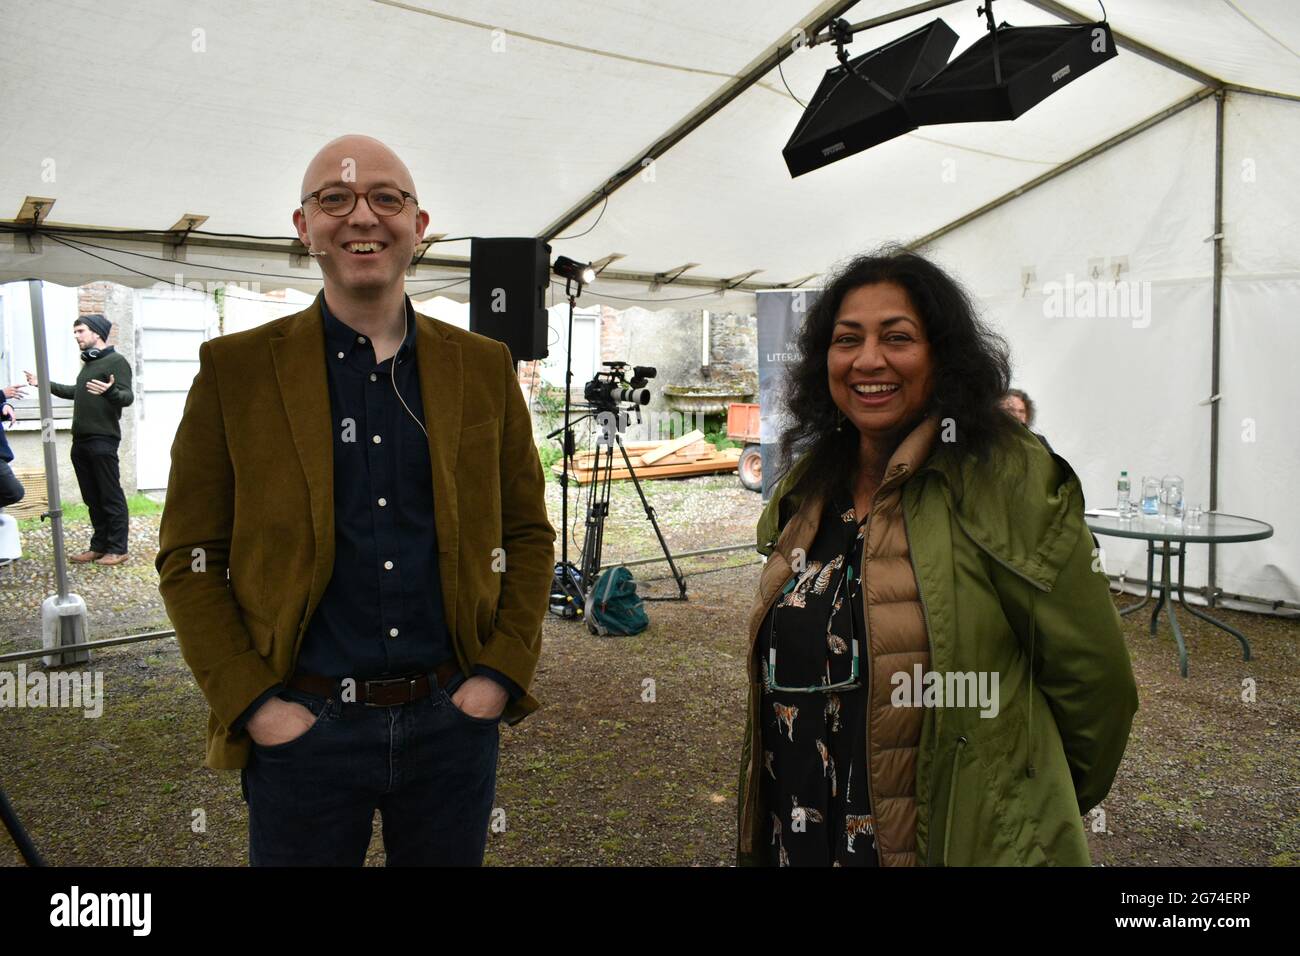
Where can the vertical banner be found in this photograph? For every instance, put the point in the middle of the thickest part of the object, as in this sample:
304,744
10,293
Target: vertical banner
780,316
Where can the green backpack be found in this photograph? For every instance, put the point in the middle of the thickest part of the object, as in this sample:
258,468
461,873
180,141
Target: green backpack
613,607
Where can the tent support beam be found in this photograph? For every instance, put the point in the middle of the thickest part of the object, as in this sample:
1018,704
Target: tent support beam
289,248
1134,46
1211,591
1252,91
776,53
1065,167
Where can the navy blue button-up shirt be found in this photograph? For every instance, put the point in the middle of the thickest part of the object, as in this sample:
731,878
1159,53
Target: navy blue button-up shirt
382,612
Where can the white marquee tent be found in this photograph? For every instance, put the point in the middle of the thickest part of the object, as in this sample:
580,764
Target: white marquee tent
652,133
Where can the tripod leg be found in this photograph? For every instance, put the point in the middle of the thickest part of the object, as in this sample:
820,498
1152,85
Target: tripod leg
593,544
650,513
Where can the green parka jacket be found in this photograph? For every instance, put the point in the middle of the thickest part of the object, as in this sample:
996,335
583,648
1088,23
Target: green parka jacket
1005,568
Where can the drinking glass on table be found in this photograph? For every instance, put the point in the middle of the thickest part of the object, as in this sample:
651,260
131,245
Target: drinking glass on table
1171,497
1150,495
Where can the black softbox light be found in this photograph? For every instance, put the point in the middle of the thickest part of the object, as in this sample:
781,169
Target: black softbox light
1034,62
861,105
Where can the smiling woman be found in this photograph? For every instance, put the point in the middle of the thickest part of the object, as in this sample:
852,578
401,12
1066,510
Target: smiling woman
922,530
890,319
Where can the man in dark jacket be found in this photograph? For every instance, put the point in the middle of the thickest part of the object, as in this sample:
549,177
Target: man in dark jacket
102,390
355,551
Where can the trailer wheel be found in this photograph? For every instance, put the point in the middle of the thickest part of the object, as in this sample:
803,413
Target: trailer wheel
750,468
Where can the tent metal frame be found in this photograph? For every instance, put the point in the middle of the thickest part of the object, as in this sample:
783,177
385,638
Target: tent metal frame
820,18
777,52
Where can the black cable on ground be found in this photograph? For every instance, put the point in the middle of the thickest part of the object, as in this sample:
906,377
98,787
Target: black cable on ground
16,830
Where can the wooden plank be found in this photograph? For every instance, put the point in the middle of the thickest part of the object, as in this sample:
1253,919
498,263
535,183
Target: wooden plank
718,463
696,451
667,448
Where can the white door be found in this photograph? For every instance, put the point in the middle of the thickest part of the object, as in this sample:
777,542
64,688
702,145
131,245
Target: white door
170,327
586,346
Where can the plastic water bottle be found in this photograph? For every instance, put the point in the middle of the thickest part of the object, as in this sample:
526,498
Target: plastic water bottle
1122,503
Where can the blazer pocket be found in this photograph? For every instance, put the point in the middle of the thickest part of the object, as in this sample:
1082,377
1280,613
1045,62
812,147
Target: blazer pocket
478,470
262,632
480,438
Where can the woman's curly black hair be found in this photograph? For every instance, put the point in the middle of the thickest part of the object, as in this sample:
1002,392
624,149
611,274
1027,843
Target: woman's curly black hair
972,370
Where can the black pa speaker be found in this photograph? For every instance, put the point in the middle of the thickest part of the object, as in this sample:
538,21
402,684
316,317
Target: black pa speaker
862,105
507,293
1034,62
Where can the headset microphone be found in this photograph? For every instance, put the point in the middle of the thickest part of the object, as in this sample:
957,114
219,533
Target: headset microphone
314,253
392,377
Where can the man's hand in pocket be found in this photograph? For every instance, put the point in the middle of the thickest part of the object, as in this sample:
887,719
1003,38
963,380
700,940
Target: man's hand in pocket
278,722
481,697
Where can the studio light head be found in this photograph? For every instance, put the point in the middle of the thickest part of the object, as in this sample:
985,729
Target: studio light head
573,271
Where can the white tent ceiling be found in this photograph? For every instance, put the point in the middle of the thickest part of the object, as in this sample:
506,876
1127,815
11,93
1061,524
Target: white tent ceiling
131,116
513,114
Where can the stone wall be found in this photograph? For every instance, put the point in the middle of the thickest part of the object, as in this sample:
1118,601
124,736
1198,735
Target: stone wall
672,342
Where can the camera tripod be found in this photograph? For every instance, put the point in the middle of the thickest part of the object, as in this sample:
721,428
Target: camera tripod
598,493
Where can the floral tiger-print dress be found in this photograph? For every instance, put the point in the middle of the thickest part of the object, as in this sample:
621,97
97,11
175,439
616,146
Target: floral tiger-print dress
813,765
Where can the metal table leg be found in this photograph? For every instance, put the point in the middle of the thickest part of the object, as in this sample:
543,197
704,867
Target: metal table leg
1147,597
1163,588
1167,599
1245,645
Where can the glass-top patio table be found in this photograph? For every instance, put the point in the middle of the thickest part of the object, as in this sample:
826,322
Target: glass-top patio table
1169,540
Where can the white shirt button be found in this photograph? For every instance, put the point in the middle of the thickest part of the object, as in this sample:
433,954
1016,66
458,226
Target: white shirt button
361,339
392,632
383,502
374,377
376,439
340,355
388,565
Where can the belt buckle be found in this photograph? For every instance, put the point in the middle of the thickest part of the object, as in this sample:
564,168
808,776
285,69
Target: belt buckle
392,681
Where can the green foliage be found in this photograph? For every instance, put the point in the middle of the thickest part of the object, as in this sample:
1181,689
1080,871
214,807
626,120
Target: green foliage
137,504
548,401
549,452
715,430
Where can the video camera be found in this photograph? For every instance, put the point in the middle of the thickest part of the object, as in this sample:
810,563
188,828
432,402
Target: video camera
612,388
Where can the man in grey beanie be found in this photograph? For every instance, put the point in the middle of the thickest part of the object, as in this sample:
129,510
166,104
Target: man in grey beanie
102,390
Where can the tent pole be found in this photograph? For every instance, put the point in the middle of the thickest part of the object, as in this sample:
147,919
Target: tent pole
55,503
1219,96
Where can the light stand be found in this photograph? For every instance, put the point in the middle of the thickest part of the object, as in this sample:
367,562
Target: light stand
567,596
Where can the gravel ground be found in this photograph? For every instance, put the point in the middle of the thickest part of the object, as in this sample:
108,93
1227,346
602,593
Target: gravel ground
601,775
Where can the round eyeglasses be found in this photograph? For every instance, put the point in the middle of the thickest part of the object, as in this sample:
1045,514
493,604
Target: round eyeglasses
846,589
340,200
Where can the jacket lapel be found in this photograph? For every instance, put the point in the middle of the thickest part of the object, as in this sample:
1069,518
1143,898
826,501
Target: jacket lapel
299,357
442,400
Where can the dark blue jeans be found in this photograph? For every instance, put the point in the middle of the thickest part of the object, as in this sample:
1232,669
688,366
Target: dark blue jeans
429,768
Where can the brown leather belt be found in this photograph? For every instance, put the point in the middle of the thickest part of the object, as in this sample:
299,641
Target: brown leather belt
388,692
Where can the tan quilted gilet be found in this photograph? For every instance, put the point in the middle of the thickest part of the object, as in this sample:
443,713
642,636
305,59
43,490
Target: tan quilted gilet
897,640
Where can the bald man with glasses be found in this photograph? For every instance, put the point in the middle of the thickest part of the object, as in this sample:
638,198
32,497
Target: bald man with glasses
355,550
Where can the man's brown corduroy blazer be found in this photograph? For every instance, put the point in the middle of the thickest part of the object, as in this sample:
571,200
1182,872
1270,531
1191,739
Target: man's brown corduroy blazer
251,493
